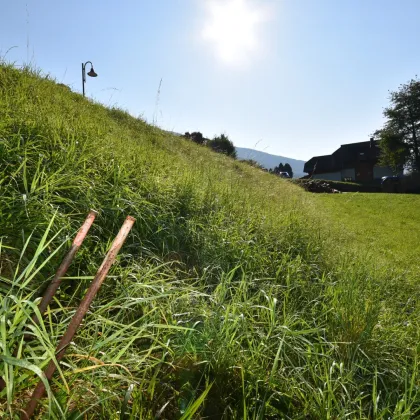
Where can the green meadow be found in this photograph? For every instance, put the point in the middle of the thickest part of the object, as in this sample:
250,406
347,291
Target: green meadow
237,295
384,226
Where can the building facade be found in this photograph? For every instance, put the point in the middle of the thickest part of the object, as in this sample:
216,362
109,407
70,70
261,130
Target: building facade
357,162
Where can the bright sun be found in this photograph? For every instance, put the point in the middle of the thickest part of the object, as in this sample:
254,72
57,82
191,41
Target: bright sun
232,29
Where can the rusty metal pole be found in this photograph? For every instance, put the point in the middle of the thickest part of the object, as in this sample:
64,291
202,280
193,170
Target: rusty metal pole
80,313
55,282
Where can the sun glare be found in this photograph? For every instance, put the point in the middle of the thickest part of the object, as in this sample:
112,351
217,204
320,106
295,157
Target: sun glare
232,29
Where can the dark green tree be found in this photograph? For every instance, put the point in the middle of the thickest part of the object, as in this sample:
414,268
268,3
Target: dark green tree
196,137
288,169
394,151
278,169
222,144
400,136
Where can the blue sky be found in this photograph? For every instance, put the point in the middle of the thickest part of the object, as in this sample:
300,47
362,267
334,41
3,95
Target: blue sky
290,77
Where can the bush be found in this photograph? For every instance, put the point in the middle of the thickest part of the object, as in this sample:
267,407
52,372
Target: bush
196,137
222,144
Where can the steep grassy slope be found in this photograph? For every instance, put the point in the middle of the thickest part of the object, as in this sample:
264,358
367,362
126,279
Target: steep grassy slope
226,301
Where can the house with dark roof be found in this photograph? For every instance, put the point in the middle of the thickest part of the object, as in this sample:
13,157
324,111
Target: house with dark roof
351,162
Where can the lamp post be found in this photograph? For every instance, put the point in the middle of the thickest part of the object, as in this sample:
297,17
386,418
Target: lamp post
91,73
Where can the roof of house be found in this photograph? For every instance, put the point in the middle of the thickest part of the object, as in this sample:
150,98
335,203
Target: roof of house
346,156
323,163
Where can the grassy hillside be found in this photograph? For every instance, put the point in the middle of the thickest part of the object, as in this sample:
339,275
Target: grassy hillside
230,299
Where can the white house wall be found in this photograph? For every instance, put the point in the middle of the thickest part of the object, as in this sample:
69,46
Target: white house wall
331,176
348,173
378,173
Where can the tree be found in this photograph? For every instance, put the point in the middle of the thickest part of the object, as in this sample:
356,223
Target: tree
222,144
400,136
288,169
196,137
394,151
283,168
278,169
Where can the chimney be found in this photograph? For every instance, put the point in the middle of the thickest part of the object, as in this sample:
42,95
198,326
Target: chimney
372,143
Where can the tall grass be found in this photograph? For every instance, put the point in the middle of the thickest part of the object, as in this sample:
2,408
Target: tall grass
227,300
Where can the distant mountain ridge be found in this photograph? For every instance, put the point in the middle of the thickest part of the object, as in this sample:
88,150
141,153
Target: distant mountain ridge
270,161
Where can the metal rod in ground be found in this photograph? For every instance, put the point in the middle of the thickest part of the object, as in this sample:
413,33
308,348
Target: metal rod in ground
80,313
55,282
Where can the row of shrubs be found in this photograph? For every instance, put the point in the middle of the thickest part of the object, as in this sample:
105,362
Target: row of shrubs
327,186
408,184
219,144
222,144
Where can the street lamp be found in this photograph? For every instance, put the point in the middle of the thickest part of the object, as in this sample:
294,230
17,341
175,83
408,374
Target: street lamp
91,73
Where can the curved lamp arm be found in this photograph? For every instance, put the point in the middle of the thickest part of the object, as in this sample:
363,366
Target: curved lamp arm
91,73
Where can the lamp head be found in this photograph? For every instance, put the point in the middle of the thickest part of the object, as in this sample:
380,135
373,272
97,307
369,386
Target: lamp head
92,73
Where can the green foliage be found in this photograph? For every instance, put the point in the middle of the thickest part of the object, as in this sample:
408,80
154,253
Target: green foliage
394,151
328,186
400,142
222,144
283,168
288,169
196,137
233,296
279,168
219,144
